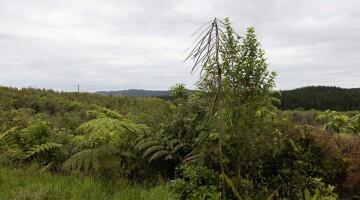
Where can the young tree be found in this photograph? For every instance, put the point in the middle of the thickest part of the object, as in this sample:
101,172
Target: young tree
207,56
234,73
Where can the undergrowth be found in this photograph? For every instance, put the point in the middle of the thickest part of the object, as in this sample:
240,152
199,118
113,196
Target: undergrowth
31,184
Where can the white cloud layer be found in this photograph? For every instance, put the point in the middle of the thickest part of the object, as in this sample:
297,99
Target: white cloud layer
118,44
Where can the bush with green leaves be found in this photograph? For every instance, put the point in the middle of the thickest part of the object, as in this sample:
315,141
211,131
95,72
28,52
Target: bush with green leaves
196,183
303,159
340,123
31,144
320,191
15,118
35,134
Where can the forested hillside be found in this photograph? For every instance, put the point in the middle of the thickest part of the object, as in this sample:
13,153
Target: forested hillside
320,98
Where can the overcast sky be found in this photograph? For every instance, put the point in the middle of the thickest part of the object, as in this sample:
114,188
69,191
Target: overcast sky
118,44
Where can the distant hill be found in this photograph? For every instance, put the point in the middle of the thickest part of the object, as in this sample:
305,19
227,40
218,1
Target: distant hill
135,92
321,98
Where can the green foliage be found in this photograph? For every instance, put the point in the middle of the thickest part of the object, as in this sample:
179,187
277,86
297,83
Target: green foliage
241,116
100,131
245,67
35,134
160,146
15,118
101,112
5,136
302,159
196,183
95,158
105,144
301,117
321,191
339,123
37,149
179,91
30,144
9,149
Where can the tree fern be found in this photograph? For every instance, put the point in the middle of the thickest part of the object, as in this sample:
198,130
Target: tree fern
153,150
146,143
178,146
92,159
155,146
105,142
194,158
103,112
41,148
198,155
159,154
106,130
173,142
7,139
9,149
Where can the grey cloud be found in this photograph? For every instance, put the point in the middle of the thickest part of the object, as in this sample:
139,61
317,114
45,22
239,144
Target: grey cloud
110,45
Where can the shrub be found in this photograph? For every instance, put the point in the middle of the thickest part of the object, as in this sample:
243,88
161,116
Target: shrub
197,183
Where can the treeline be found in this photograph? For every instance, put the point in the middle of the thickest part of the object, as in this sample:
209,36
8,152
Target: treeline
320,98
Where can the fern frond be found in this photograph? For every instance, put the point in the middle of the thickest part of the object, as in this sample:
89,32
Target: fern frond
129,154
8,142
77,161
169,157
106,112
47,167
91,159
146,144
166,138
193,158
179,146
41,148
139,138
158,154
172,142
5,136
152,150
230,183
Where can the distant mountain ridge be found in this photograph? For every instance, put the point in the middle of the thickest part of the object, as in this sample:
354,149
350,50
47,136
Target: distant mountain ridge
310,97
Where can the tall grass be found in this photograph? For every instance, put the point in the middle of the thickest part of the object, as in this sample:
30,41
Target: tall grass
32,184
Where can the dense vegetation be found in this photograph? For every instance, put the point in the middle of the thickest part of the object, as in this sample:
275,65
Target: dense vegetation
226,140
311,97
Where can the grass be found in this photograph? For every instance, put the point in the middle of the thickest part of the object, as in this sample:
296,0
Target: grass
31,184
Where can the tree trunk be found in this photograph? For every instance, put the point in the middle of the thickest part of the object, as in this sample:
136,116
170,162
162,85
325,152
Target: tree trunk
219,81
